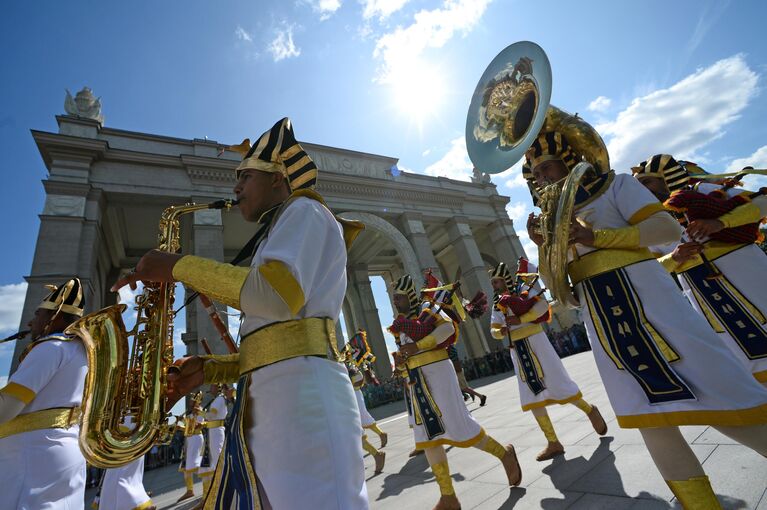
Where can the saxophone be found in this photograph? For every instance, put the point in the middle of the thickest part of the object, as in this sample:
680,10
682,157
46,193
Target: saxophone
132,381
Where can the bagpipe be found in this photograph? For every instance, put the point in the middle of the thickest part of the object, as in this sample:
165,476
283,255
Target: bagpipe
360,358
438,298
695,205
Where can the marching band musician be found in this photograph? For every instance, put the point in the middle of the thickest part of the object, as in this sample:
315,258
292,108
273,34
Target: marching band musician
123,487
193,423
661,365
440,416
40,410
291,298
735,302
543,379
367,421
215,416
359,357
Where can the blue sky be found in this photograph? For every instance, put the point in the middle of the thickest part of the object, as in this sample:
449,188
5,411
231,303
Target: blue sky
392,77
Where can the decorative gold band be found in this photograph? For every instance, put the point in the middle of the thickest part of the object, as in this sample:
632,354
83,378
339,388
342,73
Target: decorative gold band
213,424
712,250
601,261
56,418
426,358
285,340
525,331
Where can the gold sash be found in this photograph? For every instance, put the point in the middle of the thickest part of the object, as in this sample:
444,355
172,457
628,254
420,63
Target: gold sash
56,418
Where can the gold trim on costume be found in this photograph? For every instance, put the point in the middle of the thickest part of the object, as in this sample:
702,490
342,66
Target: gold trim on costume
735,417
444,441
285,340
220,282
601,261
213,424
143,506
645,212
625,237
548,402
19,392
761,376
55,418
279,277
712,250
525,331
426,358
221,368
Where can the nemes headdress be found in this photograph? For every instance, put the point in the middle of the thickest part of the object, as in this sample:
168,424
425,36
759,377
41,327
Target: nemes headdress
278,151
404,285
67,298
663,166
549,146
502,271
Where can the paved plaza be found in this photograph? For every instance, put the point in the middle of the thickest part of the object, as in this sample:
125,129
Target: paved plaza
612,472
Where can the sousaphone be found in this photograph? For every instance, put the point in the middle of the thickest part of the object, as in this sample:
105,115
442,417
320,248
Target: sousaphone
508,110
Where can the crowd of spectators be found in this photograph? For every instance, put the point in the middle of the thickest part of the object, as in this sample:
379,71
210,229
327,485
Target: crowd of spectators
566,342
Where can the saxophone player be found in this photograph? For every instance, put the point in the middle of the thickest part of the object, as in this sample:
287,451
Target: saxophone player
735,303
40,410
291,296
662,365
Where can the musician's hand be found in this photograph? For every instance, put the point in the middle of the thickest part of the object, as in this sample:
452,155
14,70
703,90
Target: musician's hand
686,251
513,320
533,223
408,349
504,330
700,229
154,266
184,376
581,235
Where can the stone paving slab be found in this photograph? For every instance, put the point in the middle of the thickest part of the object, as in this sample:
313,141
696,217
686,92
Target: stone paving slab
612,472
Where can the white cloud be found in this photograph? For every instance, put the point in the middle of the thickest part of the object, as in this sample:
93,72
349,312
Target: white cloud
399,50
531,249
242,35
518,212
282,46
757,160
454,164
11,305
683,118
426,152
381,8
325,8
600,104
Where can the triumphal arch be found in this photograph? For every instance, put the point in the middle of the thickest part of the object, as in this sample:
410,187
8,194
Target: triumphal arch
106,188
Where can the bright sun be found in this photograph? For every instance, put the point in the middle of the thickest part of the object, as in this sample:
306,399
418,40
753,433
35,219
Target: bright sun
419,92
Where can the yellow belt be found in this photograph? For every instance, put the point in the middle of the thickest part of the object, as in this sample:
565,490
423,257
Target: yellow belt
56,418
602,261
213,424
712,250
426,358
525,331
285,340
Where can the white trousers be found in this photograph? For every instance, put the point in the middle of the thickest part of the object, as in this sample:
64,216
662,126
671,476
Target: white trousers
123,487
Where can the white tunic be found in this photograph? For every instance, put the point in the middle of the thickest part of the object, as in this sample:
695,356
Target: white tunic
216,411
44,469
723,393
460,427
123,487
303,409
746,270
194,444
365,417
559,387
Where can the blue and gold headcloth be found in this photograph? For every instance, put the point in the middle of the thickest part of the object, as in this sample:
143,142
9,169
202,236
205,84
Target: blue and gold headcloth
665,167
278,151
405,286
67,298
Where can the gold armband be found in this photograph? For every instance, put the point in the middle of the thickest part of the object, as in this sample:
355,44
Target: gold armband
626,237
220,282
741,215
426,343
668,262
221,368
284,283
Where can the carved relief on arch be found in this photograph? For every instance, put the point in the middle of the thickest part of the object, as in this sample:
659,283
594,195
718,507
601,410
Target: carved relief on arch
398,241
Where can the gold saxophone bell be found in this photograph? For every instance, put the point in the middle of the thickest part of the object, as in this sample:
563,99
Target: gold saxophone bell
508,110
124,381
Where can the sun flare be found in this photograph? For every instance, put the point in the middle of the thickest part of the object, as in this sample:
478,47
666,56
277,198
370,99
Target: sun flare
419,92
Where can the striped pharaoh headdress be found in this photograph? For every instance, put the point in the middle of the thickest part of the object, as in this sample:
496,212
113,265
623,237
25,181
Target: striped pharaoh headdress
502,271
67,298
404,285
278,151
663,166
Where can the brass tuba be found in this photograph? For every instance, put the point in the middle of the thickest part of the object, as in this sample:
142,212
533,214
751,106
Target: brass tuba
123,381
508,110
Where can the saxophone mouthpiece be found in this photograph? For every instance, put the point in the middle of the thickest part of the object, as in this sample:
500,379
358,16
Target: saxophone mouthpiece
223,204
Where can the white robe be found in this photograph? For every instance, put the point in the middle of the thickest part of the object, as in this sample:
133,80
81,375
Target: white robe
366,418
123,487
724,394
216,411
559,387
194,444
303,410
44,469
